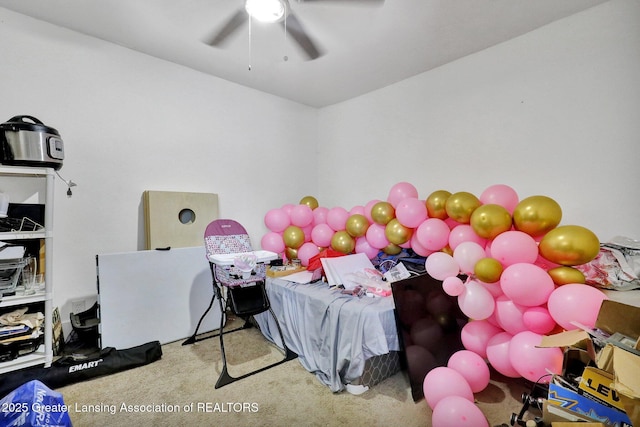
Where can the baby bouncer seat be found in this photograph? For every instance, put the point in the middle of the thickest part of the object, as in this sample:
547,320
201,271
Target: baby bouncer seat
235,266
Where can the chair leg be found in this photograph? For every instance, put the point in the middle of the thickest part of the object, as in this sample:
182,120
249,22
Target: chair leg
216,294
226,379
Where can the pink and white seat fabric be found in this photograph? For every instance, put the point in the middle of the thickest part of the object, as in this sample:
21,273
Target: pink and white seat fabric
226,236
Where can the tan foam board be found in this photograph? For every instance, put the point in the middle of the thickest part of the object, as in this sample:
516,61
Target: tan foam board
177,219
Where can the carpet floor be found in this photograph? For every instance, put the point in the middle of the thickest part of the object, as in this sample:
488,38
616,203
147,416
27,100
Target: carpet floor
179,389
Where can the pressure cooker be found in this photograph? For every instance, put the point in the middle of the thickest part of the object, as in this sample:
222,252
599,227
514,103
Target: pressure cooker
26,141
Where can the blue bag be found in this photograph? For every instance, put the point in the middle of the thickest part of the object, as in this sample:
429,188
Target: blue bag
34,405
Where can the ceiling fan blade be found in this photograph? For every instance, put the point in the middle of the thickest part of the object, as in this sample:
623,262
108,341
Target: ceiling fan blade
294,28
232,25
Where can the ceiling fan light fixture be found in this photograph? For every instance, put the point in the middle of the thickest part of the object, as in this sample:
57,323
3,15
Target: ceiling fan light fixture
265,10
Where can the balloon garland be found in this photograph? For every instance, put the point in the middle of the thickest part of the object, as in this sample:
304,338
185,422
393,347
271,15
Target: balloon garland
507,260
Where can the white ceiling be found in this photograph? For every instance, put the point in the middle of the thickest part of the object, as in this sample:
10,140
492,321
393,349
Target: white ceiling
365,47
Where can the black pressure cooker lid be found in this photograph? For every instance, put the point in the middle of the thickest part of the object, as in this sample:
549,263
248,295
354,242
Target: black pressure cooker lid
28,123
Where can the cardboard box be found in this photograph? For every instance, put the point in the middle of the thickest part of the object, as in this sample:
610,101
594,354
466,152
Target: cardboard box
608,354
282,271
58,336
562,394
599,384
554,414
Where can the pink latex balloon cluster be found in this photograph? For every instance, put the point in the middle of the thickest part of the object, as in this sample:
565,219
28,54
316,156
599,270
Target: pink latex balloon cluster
508,315
519,240
350,231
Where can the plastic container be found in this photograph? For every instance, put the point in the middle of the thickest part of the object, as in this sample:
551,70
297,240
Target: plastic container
10,271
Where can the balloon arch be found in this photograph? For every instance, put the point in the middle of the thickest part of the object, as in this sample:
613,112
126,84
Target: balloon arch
508,261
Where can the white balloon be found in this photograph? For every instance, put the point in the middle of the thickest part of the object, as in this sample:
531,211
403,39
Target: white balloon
476,301
440,265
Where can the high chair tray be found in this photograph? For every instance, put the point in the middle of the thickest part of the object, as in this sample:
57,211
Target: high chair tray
228,259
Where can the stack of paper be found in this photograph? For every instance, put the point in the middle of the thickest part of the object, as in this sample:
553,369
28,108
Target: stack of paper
340,270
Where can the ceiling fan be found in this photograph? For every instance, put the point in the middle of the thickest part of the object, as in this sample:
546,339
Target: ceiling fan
282,14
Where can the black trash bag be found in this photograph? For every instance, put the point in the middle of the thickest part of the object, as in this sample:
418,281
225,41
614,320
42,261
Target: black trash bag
70,370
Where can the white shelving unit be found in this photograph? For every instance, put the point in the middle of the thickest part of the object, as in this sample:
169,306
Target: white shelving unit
32,185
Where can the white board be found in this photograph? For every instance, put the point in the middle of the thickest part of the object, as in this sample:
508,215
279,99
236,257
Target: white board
155,295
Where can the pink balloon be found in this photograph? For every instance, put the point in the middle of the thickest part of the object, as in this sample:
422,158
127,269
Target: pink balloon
376,236
307,232
301,215
362,246
498,354
493,288
464,233
545,264
575,302
476,334
367,209
432,234
456,411
453,286
337,218
273,242
509,315
277,220
321,235
288,207
472,367
467,254
533,362
502,195
320,215
357,210
538,320
401,191
476,302
526,284
411,212
440,265
306,252
441,382
417,246
513,247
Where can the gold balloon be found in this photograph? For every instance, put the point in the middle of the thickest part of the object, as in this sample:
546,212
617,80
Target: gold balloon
490,220
447,250
382,213
569,245
436,204
293,237
397,233
291,253
357,225
564,275
343,242
537,215
460,206
488,270
392,249
310,201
